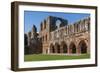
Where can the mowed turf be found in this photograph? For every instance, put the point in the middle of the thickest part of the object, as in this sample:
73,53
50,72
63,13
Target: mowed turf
44,57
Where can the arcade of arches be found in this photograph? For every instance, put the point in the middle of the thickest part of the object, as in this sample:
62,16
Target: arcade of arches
57,36
81,48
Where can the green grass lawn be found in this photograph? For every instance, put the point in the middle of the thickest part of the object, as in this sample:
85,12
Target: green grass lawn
42,57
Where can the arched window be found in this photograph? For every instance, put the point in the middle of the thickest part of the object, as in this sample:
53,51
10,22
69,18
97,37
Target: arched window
58,23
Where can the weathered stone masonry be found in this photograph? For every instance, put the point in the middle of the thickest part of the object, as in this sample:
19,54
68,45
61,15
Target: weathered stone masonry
56,36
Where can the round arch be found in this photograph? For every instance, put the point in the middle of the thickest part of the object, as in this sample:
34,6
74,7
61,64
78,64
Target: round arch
72,47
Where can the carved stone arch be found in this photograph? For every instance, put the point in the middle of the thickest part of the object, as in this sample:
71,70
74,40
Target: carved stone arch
72,47
57,47
52,49
64,47
82,46
87,41
58,23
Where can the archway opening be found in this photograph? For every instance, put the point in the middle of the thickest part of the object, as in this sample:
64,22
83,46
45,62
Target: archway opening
52,50
57,47
46,51
83,47
72,48
64,47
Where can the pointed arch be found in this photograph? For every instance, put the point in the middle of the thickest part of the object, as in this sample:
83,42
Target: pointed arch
64,47
82,46
72,47
52,50
57,47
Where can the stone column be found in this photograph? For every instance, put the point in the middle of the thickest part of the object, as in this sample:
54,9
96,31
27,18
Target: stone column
78,50
69,51
48,50
88,46
61,50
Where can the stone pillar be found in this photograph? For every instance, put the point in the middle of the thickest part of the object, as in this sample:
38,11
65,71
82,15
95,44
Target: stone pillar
78,51
88,47
69,51
61,50
44,50
48,50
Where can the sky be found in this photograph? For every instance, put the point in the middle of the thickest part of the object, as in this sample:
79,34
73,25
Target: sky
36,17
